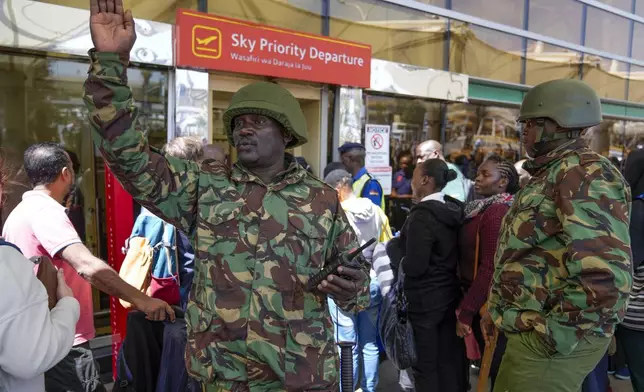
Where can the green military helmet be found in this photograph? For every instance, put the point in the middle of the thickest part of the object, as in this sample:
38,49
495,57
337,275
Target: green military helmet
271,100
572,104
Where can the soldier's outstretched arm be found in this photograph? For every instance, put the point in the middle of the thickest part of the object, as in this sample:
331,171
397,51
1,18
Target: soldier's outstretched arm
593,206
165,185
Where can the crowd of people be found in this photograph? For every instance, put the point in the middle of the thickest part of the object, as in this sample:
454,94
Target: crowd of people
526,271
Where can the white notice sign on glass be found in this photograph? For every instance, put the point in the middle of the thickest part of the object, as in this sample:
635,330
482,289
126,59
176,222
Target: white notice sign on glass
384,177
376,143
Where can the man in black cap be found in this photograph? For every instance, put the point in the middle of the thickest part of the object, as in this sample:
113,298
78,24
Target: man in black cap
364,185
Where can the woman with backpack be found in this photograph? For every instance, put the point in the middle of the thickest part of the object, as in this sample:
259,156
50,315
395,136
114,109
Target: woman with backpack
497,181
428,246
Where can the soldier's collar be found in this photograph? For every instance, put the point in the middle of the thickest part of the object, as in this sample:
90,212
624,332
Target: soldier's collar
539,163
292,174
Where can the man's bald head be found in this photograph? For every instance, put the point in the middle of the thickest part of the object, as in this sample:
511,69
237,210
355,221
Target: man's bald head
212,151
428,150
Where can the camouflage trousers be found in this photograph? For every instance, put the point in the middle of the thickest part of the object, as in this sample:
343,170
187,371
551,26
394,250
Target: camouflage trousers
529,366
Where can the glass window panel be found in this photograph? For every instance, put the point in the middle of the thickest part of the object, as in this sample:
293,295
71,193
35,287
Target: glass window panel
639,7
300,15
638,40
41,100
636,84
333,95
607,77
473,132
607,32
156,10
438,3
412,120
395,33
485,53
508,12
560,19
633,135
624,5
607,139
547,62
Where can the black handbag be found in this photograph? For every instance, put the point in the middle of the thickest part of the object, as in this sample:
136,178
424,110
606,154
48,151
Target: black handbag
394,326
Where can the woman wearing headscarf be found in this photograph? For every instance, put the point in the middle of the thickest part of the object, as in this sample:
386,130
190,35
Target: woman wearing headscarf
497,181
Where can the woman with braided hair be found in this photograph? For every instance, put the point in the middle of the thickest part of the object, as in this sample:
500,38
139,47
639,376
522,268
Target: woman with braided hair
497,181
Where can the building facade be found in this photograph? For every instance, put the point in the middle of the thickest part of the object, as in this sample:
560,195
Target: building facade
450,70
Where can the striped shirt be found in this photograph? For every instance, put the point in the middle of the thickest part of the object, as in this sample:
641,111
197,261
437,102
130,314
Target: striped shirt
382,267
634,318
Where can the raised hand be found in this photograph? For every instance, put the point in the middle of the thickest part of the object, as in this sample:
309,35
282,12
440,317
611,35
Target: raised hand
112,29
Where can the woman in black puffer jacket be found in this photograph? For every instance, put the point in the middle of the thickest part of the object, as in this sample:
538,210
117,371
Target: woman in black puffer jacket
631,332
428,246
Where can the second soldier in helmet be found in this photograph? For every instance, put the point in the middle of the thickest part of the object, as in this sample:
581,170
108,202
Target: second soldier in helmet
563,264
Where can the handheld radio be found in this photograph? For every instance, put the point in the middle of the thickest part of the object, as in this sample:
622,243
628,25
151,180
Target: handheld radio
344,260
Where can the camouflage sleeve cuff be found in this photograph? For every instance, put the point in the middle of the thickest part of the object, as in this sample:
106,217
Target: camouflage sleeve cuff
112,66
360,302
499,314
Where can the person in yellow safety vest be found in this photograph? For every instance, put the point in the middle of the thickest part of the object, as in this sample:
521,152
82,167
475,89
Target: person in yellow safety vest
364,185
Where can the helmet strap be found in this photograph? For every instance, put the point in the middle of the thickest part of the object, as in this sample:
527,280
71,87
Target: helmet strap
543,136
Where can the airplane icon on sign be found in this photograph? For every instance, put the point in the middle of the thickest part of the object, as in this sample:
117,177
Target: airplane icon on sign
207,41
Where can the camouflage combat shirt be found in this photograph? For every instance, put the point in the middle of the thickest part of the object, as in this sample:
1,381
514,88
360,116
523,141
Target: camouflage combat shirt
563,263
251,325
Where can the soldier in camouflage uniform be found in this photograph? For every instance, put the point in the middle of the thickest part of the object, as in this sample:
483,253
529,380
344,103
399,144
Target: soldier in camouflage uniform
260,230
563,264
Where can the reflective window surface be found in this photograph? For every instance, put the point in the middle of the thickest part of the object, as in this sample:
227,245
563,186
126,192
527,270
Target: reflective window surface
507,12
561,19
395,33
546,62
412,120
300,15
41,100
638,39
624,5
607,77
485,53
607,32
474,132
615,139
633,132
636,84
156,10
639,8
438,3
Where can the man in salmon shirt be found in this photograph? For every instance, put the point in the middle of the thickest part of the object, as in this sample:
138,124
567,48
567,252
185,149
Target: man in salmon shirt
39,226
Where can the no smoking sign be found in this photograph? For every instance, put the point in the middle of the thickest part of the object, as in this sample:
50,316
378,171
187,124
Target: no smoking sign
377,141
